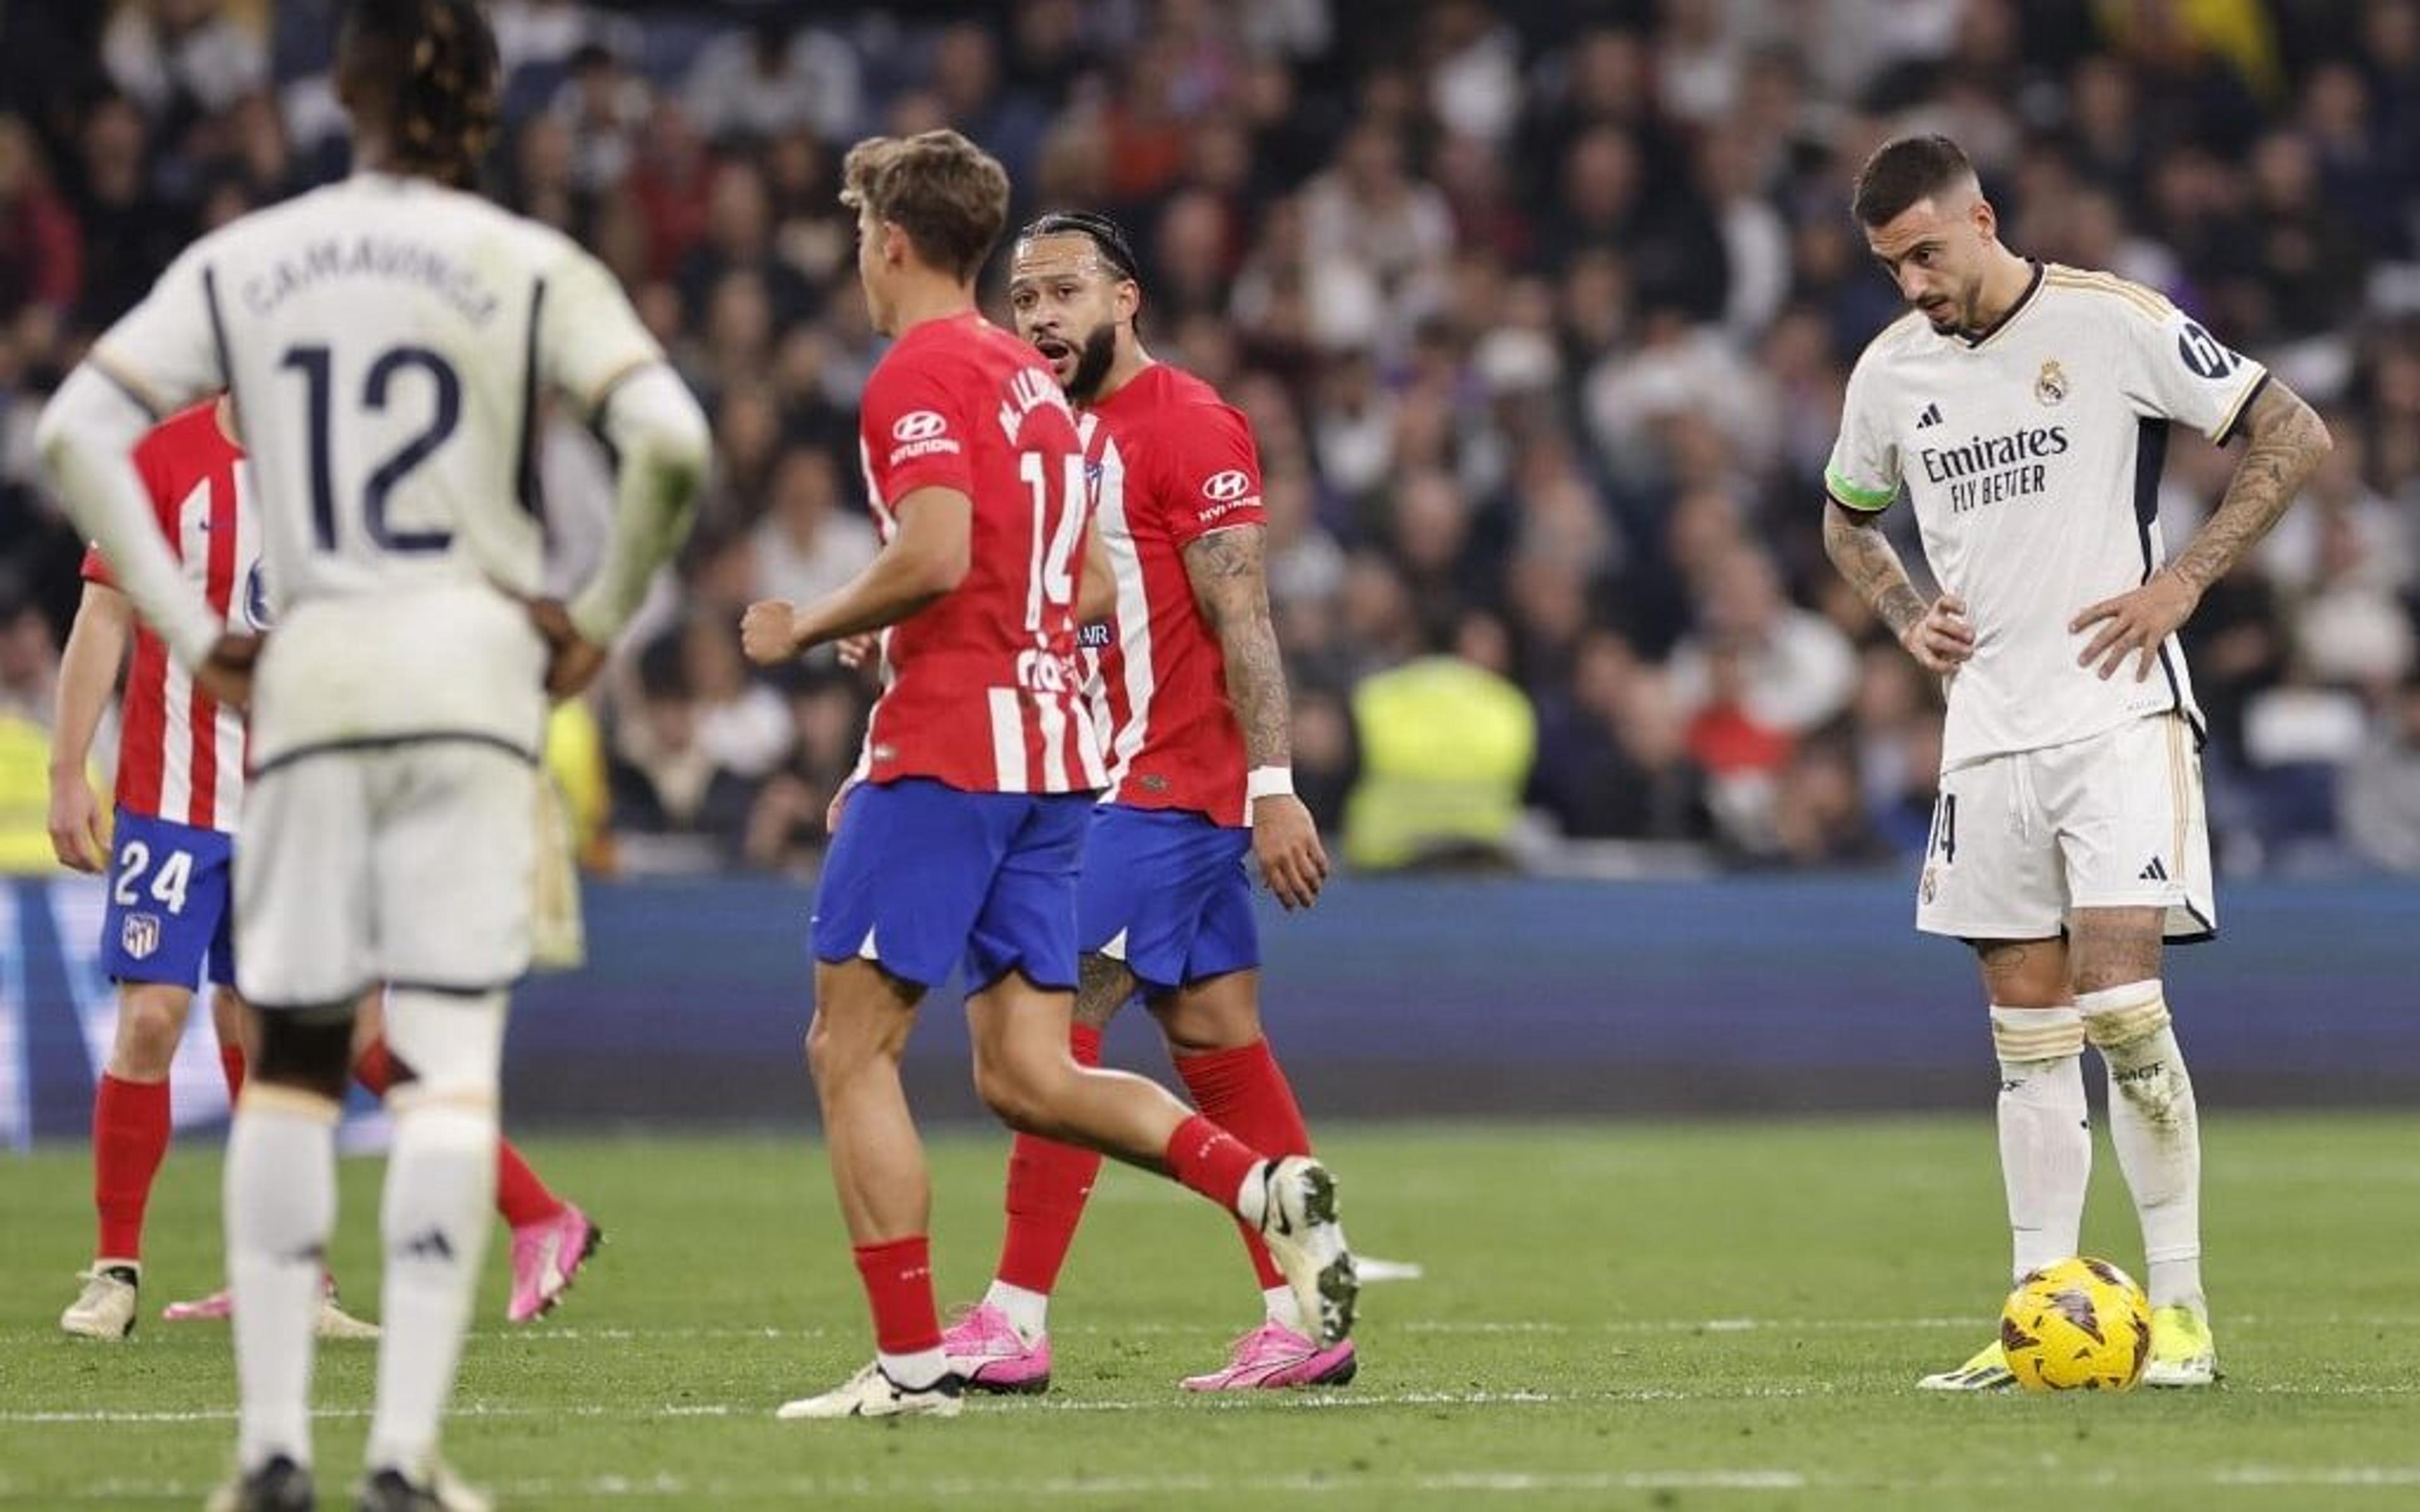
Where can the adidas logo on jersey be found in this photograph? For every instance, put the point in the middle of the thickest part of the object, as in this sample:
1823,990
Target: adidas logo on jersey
1931,417
2153,872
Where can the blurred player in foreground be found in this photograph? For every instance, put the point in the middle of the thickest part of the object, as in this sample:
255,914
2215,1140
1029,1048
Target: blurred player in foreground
2024,407
960,840
169,920
1191,697
386,341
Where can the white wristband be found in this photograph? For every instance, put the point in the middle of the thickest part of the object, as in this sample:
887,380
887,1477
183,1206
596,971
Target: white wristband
1268,782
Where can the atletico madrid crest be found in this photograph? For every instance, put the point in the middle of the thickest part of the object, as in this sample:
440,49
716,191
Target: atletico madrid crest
140,935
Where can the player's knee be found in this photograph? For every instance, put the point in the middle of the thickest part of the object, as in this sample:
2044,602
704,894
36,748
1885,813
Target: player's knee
454,1044
839,1046
1024,1087
310,1050
149,1023
1203,1024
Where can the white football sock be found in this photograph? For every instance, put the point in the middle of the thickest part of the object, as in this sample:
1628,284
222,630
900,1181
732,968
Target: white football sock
914,1372
1252,1203
1283,1308
440,1182
1029,1312
281,1206
2157,1129
2045,1131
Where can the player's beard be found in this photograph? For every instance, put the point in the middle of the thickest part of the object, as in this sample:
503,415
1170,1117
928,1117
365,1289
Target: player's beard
1093,360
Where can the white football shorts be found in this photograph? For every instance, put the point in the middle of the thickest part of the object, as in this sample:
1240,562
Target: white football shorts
407,862
2112,822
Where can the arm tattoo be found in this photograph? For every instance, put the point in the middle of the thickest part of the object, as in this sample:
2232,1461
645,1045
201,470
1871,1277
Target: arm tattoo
2287,441
1865,557
1232,586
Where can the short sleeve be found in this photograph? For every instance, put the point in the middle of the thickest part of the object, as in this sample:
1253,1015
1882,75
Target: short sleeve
168,350
1863,472
95,568
2175,369
916,434
589,338
1210,471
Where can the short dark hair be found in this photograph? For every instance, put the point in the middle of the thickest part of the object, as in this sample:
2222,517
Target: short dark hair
1108,237
429,70
1905,169
949,196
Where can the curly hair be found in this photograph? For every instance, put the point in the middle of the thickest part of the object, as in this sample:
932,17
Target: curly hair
428,71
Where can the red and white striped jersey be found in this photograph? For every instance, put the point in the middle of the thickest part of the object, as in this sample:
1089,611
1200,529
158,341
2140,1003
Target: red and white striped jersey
179,754
982,689
1174,463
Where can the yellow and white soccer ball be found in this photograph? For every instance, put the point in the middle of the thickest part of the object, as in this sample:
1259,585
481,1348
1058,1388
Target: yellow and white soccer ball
2080,1325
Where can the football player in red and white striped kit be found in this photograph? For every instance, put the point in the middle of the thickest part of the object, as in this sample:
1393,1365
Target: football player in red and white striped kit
1191,700
958,845
170,926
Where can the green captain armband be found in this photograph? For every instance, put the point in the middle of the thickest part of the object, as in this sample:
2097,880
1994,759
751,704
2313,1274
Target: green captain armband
1849,496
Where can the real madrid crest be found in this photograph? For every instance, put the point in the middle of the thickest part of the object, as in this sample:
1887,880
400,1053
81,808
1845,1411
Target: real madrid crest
2050,387
1930,887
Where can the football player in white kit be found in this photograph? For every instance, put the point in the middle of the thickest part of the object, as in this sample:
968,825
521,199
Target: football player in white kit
386,339
2023,409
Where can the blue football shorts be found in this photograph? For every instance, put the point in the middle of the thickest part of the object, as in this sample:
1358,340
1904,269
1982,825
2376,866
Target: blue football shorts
923,877
170,917
1165,892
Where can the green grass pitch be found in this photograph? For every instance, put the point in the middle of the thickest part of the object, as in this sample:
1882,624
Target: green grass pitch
1684,1316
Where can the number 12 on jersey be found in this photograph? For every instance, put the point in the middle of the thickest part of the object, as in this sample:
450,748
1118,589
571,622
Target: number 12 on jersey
316,362
1052,576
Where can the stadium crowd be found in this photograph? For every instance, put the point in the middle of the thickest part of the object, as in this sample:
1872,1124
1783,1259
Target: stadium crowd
1542,311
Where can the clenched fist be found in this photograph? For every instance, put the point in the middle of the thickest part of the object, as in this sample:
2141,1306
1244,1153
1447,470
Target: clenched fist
768,632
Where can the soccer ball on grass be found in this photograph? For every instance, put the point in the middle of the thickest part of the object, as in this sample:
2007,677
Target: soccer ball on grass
2080,1325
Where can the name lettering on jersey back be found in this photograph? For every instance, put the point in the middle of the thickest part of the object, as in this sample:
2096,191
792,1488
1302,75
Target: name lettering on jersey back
1994,468
385,257
1031,389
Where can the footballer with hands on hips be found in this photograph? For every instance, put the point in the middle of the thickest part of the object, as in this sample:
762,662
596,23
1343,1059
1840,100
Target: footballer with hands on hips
387,340
2024,407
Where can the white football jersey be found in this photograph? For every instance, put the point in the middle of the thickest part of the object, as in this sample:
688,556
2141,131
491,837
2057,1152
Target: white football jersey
386,339
2032,454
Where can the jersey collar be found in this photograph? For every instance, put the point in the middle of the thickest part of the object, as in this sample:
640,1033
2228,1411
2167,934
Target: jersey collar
2033,287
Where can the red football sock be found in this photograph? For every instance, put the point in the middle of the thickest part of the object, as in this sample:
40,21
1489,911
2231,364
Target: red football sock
520,1196
898,1275
231,1062
1247,1092
1210,1160
374,1068
130,1135
1048,1186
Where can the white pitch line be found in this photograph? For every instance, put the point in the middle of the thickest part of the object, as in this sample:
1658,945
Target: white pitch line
1314,1401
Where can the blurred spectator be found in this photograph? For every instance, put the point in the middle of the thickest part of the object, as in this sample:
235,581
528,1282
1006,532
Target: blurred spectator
2381,788
1788,669
757,83
28,690
41,252
807,547
1445,747
667,775
182,59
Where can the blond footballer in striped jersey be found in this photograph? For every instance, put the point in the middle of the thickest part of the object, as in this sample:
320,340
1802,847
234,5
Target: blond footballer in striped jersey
2024,409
